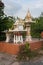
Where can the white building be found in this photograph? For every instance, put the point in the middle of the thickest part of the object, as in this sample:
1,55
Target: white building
21,27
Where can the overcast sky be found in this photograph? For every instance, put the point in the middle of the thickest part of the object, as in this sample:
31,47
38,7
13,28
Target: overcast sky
20,7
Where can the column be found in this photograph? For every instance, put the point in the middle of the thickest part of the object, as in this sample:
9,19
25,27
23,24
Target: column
7,37
21,39
14,39
28,37
18,38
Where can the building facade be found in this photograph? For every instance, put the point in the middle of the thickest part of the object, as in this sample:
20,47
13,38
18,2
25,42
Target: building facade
21,31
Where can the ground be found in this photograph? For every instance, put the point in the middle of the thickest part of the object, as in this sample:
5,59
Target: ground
7,59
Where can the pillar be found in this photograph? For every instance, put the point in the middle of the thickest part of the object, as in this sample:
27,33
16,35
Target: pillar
21,38
7,37
18,38
14,39
28,37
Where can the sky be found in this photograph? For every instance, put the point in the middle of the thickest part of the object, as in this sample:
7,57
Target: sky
20,7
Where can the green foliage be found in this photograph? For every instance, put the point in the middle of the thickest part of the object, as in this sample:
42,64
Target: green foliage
1,21
37,28
25,52
35,32
5,22
2,36
41,23
1,8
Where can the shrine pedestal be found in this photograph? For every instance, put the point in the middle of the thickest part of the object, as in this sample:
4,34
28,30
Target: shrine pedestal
28,38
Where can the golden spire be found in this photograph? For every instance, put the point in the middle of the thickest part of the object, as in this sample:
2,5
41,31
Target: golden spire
28,16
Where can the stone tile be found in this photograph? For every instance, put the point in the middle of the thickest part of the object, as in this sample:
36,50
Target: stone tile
5,63
7,59
41,52
15,63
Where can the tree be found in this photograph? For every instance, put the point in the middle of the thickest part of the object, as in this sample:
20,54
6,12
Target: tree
37,27
1,14
1,17
41,22
1,8
8,22
5,22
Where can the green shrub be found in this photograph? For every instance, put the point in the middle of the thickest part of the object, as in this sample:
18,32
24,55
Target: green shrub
25,52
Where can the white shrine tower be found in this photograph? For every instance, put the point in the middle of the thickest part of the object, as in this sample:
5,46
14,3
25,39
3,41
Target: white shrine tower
28,21
16,35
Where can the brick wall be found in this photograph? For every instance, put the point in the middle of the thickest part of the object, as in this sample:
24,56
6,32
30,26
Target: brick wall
14,48
36,45
9,48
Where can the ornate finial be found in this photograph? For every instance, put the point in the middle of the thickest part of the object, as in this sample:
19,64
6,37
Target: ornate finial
28,15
